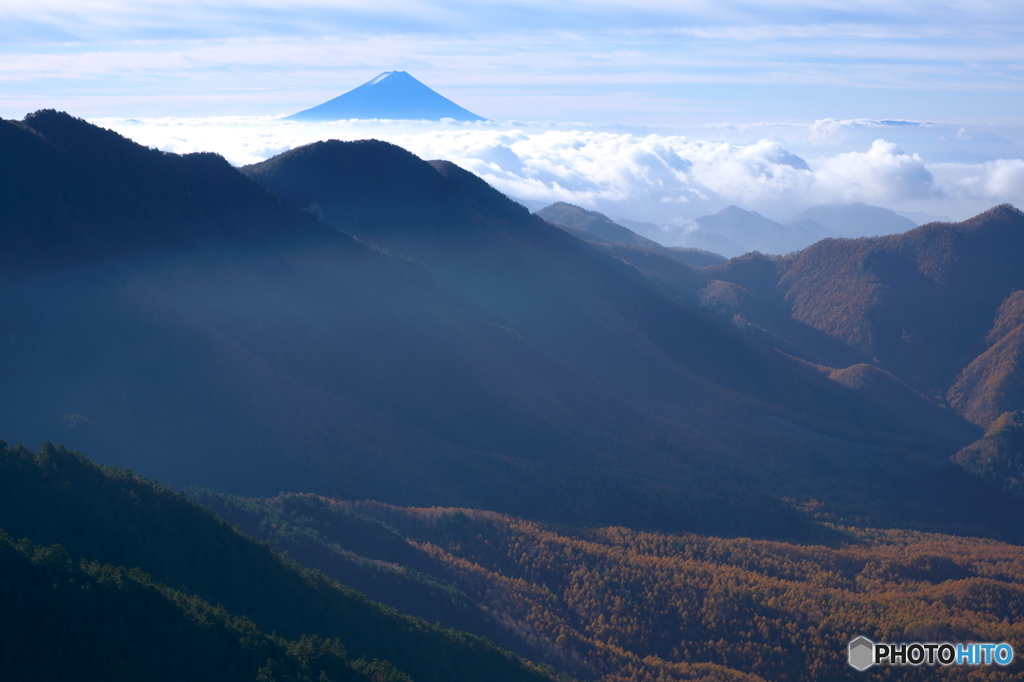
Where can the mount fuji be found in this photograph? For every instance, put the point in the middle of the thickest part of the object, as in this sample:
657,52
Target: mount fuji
393,95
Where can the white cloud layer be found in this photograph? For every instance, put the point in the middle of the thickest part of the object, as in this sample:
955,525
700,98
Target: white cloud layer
651,177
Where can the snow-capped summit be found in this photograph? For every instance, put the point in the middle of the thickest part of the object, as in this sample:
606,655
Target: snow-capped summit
392,95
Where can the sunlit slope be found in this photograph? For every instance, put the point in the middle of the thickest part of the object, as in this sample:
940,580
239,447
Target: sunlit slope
620,604
921,302
938,306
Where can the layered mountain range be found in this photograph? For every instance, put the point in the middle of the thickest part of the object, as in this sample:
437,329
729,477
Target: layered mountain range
601,230
937,306
734,231
350,321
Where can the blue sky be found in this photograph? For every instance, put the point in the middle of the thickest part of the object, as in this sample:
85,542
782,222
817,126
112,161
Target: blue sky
722,85
650,63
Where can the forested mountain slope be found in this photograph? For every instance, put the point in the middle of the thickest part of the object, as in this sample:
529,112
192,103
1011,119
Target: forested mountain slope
938,306
618,604
128,580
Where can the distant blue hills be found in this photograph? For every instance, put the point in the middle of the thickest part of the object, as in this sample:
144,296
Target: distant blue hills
392,94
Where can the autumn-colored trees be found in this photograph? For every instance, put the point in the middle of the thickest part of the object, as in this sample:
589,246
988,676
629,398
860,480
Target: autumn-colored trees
620,604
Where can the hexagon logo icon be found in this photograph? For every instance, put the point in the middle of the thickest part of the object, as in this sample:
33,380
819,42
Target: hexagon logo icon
862,653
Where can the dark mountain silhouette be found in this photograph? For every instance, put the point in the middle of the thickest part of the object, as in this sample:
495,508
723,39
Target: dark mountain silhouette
391,95
594,226
127,580
457,351
71,191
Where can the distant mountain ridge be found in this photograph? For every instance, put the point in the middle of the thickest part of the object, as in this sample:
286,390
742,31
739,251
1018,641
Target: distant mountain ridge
855,220
595,226
391,95
734,231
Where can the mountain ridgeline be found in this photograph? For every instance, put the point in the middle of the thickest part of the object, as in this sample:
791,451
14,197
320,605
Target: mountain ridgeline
937,306
734,231
350,320
606,234
932,315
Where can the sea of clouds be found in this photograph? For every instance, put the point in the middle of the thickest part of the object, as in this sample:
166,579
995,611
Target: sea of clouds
669,179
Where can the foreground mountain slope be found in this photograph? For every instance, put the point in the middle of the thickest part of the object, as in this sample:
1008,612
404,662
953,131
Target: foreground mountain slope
134,555
119,624
617,604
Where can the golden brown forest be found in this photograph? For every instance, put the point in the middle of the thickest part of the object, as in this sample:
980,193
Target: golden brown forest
618,604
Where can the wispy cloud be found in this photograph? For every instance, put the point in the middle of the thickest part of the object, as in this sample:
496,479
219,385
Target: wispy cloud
732,59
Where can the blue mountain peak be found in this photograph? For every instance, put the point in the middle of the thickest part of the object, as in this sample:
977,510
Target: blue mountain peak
391,95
